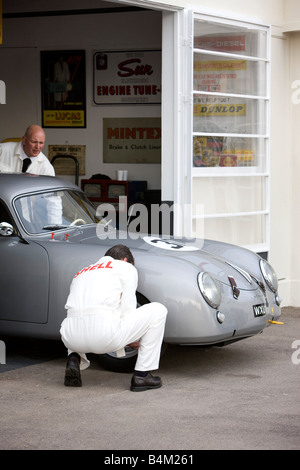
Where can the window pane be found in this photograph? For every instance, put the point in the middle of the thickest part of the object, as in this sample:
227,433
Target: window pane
228,38
246,230
221,114
224,195
44,212
211,151
217,74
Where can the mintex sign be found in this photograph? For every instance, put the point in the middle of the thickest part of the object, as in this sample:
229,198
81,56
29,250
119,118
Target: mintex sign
132,140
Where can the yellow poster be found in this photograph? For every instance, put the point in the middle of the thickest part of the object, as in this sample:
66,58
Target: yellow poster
219,65
219,75
57,118
220,110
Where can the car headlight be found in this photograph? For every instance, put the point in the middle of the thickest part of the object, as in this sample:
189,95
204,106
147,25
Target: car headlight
209,289
269,275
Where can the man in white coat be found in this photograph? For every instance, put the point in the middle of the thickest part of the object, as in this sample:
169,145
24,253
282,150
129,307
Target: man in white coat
102,317
27,155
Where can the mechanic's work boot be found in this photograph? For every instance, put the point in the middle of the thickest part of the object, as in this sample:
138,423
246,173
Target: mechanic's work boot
72,375
140,384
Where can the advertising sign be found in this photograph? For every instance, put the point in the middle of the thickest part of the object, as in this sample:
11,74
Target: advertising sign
219,75
64,166
63,89
127,77
226,43
132,140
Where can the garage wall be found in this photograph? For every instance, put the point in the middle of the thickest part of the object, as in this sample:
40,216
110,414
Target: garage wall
294,95
280,165
23,38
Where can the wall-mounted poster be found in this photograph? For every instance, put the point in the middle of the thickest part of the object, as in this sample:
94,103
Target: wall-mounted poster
132,140
127,77
63,89
64,166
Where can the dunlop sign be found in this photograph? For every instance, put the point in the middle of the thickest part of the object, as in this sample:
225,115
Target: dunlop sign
220,110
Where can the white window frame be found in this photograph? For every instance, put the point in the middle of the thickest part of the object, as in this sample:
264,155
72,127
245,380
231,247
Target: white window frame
183,194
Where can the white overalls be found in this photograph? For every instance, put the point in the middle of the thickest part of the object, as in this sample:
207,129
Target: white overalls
102,315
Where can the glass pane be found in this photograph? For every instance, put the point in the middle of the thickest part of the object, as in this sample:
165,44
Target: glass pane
44,212
229,195
221,114
211,151
246,230
228,38
217,74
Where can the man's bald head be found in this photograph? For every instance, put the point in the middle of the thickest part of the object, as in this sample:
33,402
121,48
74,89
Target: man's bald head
33,140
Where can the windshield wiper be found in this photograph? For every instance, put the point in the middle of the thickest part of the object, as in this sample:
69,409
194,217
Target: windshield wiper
54,227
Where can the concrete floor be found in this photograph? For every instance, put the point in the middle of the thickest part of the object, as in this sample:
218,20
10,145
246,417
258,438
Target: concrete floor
243,396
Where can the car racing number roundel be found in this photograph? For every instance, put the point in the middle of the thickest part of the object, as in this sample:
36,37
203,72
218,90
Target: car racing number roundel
167,244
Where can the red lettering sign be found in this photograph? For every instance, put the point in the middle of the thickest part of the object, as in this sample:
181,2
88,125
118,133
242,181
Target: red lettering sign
125,71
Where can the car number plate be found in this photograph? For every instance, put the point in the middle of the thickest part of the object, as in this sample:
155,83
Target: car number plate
259,310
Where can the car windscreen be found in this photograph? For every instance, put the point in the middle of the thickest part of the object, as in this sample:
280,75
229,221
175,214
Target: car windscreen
48,211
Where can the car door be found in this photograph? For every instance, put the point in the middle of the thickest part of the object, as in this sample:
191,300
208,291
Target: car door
24,281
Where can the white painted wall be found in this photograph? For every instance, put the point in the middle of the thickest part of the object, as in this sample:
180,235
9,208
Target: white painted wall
20,70
280,166
294,101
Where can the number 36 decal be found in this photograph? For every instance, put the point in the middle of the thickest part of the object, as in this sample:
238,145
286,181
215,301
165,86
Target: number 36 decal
167,244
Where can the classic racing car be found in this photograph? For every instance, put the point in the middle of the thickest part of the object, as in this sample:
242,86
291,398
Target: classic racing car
215,293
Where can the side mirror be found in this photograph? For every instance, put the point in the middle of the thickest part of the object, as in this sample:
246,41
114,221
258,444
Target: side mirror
6,229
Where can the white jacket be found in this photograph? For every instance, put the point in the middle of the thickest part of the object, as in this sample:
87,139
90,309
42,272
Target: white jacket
11,161
109,282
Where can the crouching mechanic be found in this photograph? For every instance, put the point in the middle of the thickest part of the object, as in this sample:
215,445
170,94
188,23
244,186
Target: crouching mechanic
103,317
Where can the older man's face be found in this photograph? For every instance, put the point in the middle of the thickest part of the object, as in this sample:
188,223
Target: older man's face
34,143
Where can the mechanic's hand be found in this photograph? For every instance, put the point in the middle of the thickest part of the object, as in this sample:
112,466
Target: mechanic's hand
134,345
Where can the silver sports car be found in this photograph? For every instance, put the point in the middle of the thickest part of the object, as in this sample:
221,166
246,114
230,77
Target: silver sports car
215,293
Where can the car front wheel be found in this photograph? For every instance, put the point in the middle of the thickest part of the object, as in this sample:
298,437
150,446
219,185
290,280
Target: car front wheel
125,363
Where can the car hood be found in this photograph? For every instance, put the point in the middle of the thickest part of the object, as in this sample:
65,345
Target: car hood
188,251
